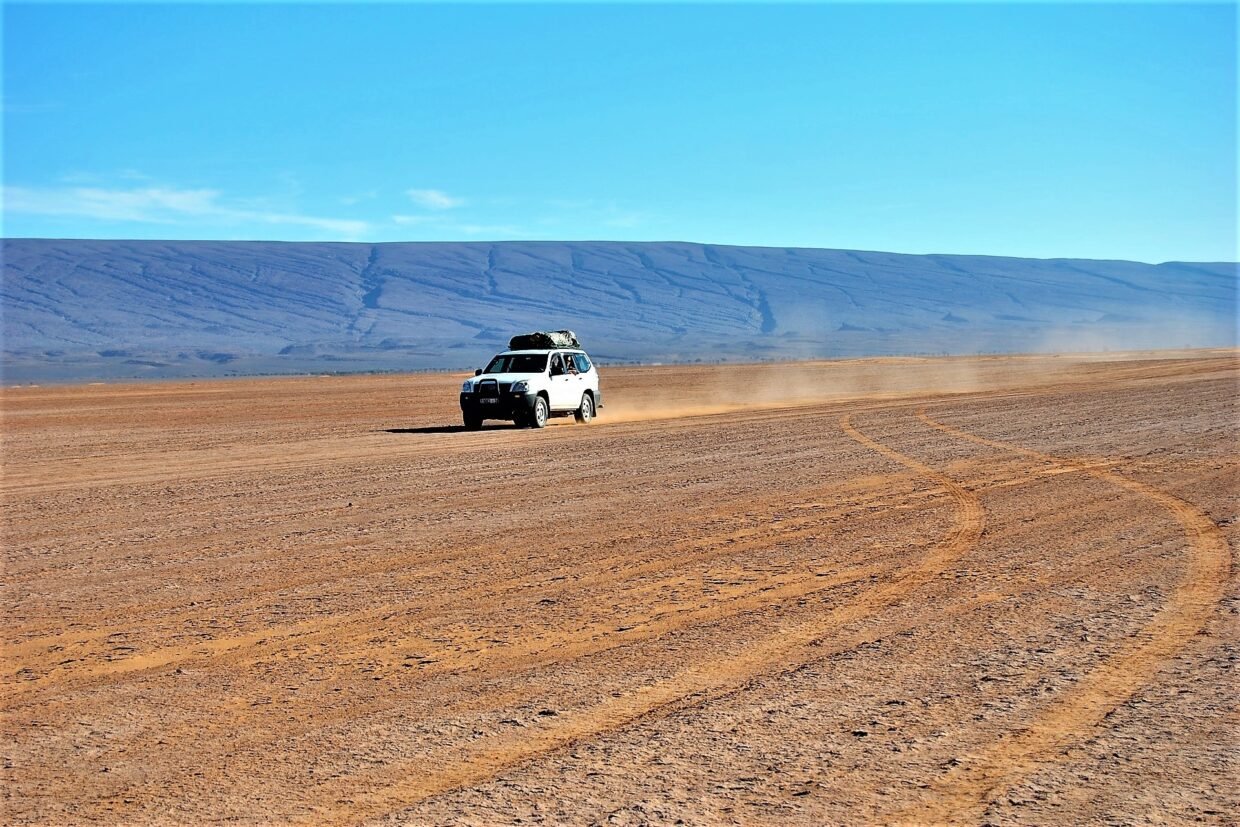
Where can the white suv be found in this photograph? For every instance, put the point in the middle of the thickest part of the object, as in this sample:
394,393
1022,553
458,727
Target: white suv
531,386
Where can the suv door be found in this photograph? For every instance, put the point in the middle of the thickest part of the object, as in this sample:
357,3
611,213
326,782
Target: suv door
589,376
564,388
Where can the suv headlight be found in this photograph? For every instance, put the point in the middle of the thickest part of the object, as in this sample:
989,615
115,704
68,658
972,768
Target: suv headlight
520,387
467,387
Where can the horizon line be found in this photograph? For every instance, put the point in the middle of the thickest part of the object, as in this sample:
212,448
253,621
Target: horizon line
482,242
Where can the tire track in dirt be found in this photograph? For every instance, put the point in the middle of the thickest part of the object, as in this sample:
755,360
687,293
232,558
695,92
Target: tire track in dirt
118,622
397,787
525,657
519,656
61,745
963,795
442,557
240,649
699,547
451,496
267,642
327,565
251,734
280,457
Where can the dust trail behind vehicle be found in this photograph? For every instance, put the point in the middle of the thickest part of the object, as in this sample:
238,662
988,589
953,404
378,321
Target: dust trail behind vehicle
662,392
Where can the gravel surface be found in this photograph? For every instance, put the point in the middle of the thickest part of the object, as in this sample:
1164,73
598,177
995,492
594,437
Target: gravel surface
991,590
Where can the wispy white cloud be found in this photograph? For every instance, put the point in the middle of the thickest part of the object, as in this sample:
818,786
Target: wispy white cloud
606,213
359,197
147,204
485,219
162,205
81,178
416,220
449,226
434,199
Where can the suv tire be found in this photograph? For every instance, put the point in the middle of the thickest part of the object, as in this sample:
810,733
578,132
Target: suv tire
473,423
541,413
586,412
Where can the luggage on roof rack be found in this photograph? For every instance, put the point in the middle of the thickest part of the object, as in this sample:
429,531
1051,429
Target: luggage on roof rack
540,339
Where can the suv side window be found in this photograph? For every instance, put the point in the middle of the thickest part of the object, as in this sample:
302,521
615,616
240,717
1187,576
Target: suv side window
583,362
557,365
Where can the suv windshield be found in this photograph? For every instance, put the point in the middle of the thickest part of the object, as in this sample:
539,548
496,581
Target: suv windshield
518,363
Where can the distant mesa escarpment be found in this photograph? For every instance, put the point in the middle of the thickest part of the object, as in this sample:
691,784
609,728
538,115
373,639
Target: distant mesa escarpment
75,309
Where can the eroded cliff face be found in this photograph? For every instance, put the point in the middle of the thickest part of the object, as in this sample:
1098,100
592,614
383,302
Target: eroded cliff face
82,309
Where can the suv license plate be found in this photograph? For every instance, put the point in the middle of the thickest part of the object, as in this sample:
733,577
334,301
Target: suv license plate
488,401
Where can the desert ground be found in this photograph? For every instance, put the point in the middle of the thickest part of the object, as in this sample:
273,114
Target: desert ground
993,590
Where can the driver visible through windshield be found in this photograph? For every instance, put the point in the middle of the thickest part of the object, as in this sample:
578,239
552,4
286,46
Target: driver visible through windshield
518,363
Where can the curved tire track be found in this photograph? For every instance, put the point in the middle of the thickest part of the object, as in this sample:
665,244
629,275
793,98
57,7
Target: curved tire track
962,796
358,627
695,686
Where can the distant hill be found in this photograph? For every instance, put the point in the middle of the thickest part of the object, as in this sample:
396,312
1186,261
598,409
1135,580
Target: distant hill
84,309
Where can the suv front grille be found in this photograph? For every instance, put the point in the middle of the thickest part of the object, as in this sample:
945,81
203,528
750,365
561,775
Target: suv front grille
491,389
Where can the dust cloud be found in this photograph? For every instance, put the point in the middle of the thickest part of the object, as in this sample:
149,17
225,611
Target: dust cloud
1157,330
634,394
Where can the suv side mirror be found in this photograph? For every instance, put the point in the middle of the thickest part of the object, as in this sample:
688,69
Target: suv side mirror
477,371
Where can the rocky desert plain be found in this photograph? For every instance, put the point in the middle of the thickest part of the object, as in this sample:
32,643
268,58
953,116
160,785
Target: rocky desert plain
974,590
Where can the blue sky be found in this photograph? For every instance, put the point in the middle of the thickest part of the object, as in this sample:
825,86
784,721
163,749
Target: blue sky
1084,130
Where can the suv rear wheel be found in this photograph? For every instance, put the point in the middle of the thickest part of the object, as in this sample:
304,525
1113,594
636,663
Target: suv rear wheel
586,412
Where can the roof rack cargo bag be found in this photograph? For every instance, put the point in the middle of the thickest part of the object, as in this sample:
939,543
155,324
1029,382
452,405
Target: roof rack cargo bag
541,339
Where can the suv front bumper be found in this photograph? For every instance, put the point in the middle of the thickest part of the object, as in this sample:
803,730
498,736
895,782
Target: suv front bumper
504,406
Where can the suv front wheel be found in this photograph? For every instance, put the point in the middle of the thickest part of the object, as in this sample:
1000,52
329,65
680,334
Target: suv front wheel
538,416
